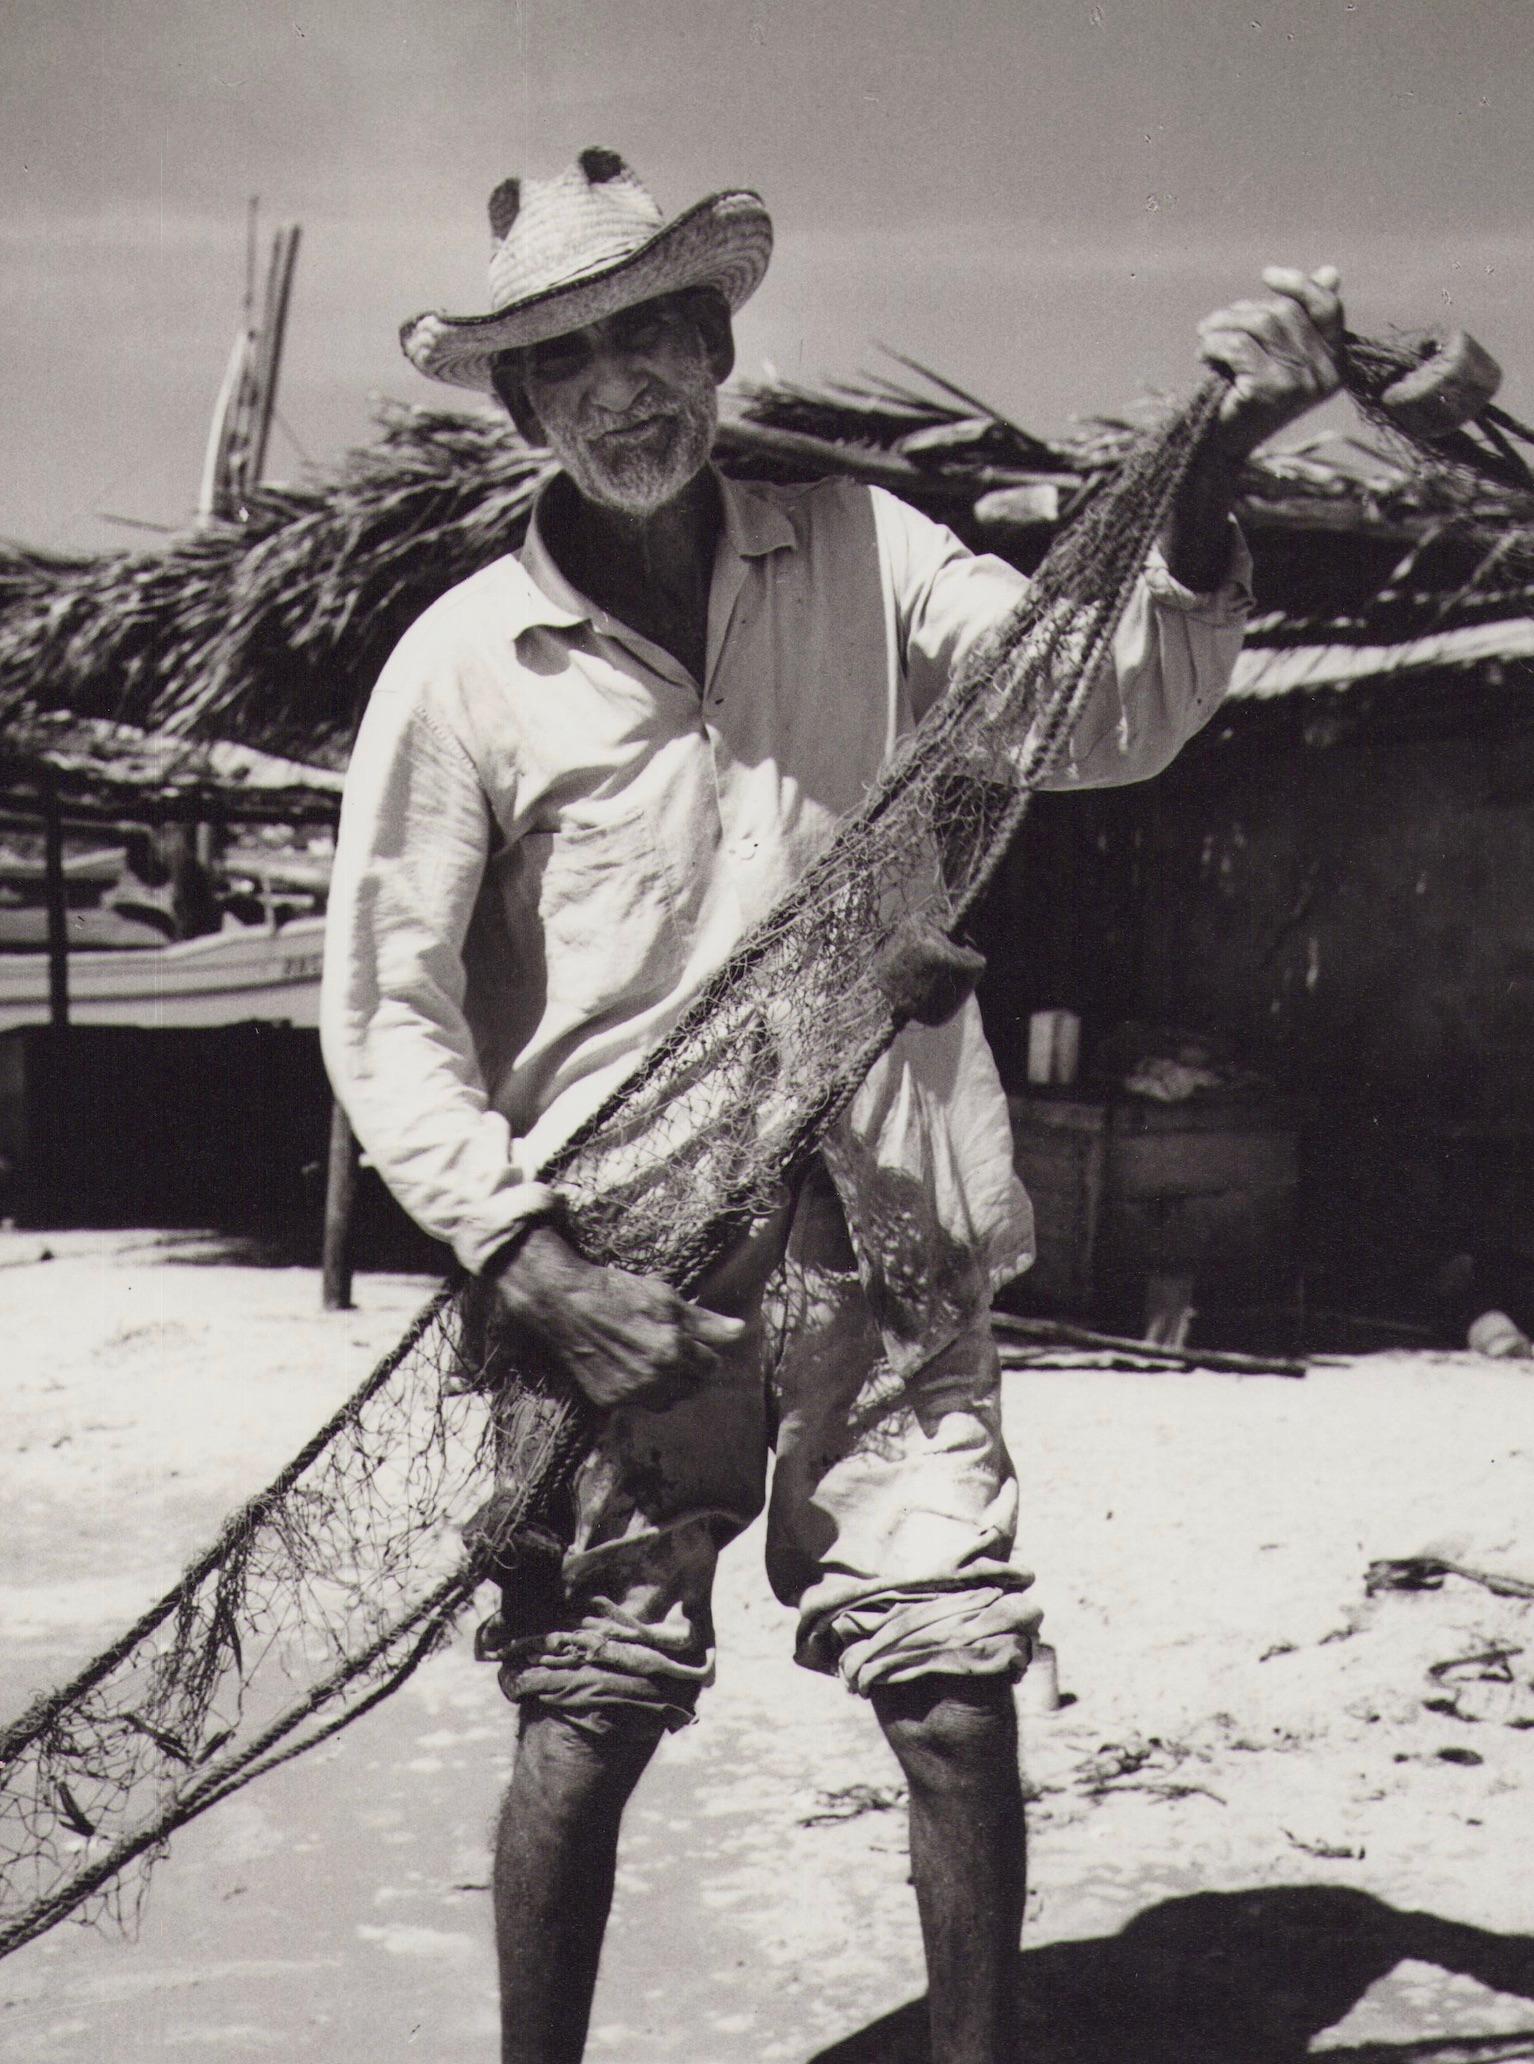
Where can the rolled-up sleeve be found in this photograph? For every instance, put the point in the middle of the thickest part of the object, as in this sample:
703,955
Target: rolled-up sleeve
1173,653
410,857
1173,656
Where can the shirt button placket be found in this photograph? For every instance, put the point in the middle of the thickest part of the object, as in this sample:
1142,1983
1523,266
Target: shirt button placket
716,746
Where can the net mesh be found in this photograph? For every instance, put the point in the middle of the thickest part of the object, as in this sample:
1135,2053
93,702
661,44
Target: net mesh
331,1586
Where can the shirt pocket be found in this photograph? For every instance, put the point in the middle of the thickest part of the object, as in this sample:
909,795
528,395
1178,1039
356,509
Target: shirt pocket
612,939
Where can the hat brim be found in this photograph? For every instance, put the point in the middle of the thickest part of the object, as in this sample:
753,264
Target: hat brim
724,242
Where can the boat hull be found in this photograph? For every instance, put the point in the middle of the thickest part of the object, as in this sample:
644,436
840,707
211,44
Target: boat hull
224,979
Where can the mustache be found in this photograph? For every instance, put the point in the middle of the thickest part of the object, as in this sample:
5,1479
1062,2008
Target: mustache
653,401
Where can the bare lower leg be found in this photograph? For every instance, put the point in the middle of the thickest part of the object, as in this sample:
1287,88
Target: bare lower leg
956,1739
555,1857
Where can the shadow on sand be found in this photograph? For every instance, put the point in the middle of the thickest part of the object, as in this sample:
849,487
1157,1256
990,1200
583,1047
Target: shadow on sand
1232,1978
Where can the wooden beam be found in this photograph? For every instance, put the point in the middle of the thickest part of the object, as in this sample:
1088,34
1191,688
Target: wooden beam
24,812
340,1201
1057,1333
279,289
58,909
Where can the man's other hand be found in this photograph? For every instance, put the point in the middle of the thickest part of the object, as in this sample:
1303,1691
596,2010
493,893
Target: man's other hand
1278,353
620,1338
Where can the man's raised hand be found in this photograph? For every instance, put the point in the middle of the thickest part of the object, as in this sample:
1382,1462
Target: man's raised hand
1277,352
621,1339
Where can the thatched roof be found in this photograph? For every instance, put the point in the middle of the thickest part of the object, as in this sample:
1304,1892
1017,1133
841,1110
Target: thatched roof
267,631
270,632
95,771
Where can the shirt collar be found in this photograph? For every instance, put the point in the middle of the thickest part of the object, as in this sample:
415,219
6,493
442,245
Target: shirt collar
542,597
753,524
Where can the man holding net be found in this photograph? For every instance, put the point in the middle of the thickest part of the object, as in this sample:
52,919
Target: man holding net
583,776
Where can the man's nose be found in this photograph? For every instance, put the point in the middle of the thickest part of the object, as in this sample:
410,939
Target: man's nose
617,374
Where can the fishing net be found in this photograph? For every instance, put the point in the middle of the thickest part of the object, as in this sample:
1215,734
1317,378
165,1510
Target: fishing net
331,1586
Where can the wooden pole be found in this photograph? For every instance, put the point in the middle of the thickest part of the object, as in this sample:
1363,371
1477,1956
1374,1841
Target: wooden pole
1047,1333
279,291
340,1197
58,908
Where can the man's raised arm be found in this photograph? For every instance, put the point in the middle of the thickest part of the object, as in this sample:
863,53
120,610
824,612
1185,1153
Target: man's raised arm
1277,352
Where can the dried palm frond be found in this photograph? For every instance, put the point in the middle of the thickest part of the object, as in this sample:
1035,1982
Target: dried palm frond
272,630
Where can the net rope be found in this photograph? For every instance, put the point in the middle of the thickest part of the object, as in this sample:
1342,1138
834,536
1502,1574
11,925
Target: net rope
330,1587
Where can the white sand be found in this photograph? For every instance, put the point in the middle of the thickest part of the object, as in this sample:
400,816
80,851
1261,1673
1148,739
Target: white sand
1244,1717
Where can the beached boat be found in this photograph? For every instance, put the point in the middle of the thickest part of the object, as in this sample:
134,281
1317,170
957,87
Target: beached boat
224,978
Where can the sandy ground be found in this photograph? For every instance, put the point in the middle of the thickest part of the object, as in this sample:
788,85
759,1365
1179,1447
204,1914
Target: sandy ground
1268,1821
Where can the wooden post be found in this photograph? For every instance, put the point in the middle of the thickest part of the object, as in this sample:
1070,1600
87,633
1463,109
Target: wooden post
279,289
58,907
340,1195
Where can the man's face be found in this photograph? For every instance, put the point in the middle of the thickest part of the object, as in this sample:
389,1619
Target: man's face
627,405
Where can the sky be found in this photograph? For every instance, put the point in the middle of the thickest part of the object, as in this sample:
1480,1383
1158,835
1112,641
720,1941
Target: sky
1037,197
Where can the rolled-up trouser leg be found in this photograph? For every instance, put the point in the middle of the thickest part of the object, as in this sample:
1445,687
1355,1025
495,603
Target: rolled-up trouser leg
629,1641
894,1505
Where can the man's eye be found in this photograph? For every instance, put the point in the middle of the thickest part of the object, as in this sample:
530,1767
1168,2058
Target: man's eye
560,359
642,333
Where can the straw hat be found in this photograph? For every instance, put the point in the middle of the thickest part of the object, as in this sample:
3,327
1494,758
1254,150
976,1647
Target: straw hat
571,250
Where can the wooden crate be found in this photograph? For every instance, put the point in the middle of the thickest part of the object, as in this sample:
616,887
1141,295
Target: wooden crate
1060,1150
1127,1188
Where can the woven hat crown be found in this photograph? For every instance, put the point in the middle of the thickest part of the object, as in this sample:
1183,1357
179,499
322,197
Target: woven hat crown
548,232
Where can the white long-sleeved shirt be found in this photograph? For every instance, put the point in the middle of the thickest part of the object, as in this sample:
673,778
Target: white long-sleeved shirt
552,835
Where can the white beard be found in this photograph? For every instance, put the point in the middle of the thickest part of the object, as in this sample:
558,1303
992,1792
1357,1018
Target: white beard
640,475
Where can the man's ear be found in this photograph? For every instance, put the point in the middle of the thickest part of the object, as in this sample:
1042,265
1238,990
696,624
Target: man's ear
721,350
711,312
506,380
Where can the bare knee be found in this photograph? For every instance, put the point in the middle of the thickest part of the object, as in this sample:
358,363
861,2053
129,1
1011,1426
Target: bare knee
573,1765
947,1730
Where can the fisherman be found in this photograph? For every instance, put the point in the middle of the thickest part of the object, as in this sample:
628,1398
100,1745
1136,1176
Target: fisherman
584,774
